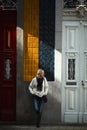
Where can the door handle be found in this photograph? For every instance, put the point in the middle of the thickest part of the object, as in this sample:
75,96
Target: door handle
82,83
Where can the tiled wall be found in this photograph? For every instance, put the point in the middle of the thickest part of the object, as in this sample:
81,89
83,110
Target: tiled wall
47,37
39,38
31,38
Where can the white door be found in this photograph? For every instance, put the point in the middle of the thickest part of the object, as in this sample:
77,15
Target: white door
74,72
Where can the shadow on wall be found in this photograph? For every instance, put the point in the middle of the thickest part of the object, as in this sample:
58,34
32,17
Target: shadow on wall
24,108
25,111
52,109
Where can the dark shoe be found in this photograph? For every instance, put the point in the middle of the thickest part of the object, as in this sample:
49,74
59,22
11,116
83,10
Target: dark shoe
38,125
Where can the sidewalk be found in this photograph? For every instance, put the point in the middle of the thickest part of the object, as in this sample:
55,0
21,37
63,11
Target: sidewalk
27,127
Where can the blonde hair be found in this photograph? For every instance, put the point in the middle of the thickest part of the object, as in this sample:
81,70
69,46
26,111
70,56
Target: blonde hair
40,73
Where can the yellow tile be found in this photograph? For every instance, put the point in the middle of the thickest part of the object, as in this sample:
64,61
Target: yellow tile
29,78
33,71
30,50
29,35
32,67
31,62
36,61
29,45
30,56
35,56
35,45
35,50
26,56
30,39
35,40
26,61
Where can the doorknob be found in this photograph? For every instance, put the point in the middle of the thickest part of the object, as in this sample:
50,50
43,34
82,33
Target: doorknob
83,83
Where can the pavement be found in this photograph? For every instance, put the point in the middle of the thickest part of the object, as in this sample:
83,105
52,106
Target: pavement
59,127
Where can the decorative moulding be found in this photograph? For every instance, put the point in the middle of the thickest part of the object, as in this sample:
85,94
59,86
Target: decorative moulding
8,4
81,10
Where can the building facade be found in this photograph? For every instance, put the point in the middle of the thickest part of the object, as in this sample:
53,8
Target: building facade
48,34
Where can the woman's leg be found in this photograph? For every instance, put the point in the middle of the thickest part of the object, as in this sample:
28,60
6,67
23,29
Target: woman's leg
36,103
39,114
38,106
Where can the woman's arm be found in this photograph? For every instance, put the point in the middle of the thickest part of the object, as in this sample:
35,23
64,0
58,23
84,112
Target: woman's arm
46,87
31,85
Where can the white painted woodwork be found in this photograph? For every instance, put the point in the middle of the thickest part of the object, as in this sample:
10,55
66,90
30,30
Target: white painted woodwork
74,71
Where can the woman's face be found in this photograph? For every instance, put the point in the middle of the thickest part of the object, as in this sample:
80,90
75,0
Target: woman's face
40,74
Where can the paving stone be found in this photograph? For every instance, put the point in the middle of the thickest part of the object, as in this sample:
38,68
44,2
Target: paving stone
77,128
83,128
69,128
24,127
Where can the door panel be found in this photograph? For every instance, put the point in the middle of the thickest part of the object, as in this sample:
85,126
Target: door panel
9,37
74,103
83,72
7,103
8,65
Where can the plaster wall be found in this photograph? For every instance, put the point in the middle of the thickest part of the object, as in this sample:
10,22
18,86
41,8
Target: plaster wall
24,107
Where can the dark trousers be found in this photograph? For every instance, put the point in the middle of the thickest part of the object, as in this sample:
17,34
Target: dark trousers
38,106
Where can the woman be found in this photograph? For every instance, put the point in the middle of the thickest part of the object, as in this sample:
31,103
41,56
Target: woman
39,89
